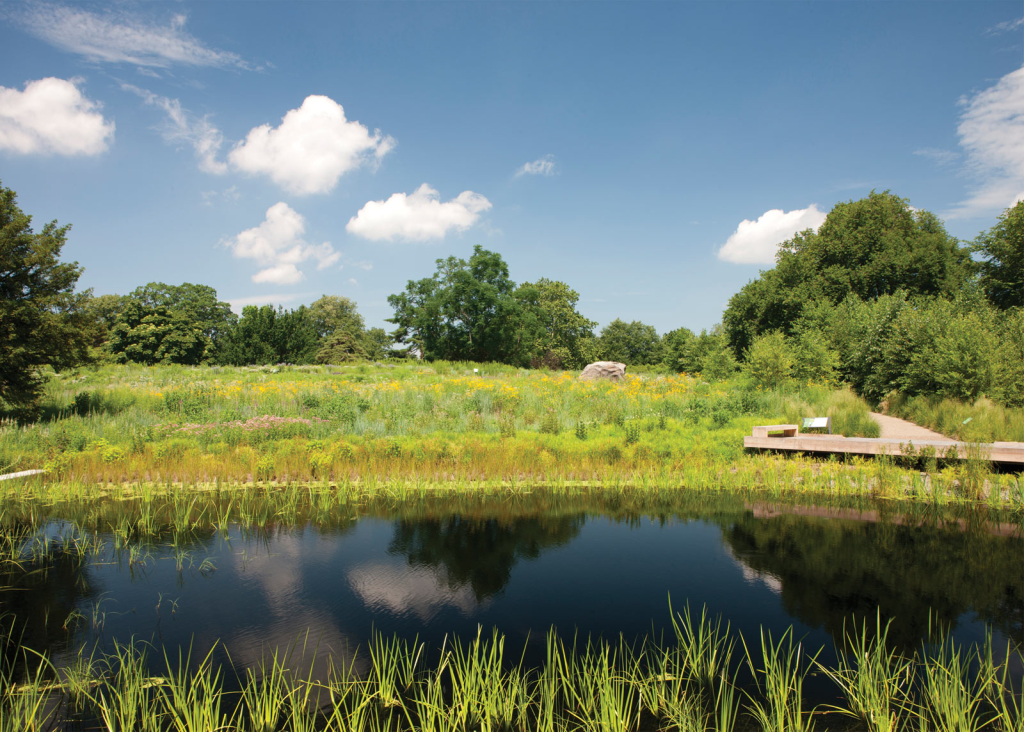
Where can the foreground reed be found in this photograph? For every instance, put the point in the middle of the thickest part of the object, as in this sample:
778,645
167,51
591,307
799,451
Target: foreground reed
690,684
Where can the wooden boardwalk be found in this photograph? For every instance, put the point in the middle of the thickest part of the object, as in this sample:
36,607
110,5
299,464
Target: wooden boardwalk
787,438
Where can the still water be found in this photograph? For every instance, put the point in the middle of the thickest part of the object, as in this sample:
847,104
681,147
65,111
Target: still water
582,566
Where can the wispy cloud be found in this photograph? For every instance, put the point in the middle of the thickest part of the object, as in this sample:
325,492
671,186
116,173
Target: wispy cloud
1007,26
52,117
541,166
228,194
992,136
117,36
184,127
938,155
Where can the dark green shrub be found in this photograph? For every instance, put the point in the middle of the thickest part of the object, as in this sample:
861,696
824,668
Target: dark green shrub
82,403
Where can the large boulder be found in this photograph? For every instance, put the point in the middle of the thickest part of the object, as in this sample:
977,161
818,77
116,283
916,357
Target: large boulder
611,370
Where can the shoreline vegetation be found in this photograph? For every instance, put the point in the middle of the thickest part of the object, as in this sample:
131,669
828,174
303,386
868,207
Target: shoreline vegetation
703,678
446,427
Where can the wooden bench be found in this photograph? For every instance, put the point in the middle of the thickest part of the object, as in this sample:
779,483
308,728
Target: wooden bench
776,430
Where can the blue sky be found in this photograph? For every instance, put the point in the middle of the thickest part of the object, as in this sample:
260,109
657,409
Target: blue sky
651,155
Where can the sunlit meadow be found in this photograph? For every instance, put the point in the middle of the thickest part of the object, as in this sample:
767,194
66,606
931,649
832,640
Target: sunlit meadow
447,425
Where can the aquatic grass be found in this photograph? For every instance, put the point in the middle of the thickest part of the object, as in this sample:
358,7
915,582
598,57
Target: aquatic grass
1005,702
778,704
265,695
26,709
600,695
126,701
875,681
951,694
428,711
492,697
585,684
706,650
393,662
192,699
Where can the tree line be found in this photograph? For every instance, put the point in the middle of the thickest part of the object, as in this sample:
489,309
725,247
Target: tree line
187,324
880,296
883,298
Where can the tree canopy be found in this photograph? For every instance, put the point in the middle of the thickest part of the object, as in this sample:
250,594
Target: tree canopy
630,343
1002,269
43,321
875,246
152,334
264,335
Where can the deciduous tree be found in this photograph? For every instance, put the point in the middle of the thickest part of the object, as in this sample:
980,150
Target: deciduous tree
465,312
632,343
1002,269
152,334
876,246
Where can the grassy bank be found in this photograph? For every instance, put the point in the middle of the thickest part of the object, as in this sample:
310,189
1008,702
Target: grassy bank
702,678
415,427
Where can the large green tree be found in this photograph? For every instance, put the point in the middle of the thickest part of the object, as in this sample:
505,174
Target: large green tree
865,249
632,343
42,320
561,336
343,334
197,304
1002,269
152,334
466,311
264,335
332,313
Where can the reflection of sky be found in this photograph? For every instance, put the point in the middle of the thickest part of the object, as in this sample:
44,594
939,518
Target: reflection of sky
756,576
400,589
612,577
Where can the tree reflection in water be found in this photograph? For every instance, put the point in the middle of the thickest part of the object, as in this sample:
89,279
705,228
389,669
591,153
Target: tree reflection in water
833,569
478,552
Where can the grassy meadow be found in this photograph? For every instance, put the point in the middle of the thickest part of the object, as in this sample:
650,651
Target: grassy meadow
452,425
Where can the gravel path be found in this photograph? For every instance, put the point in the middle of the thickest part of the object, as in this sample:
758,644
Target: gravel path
900,429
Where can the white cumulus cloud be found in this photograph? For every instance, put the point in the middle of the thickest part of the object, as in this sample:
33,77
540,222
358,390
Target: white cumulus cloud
52,116
540,166
277,246
184,127
756,242
313,147
117,37
992,135
417,216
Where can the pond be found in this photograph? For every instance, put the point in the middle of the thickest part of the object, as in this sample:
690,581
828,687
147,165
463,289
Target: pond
590,564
